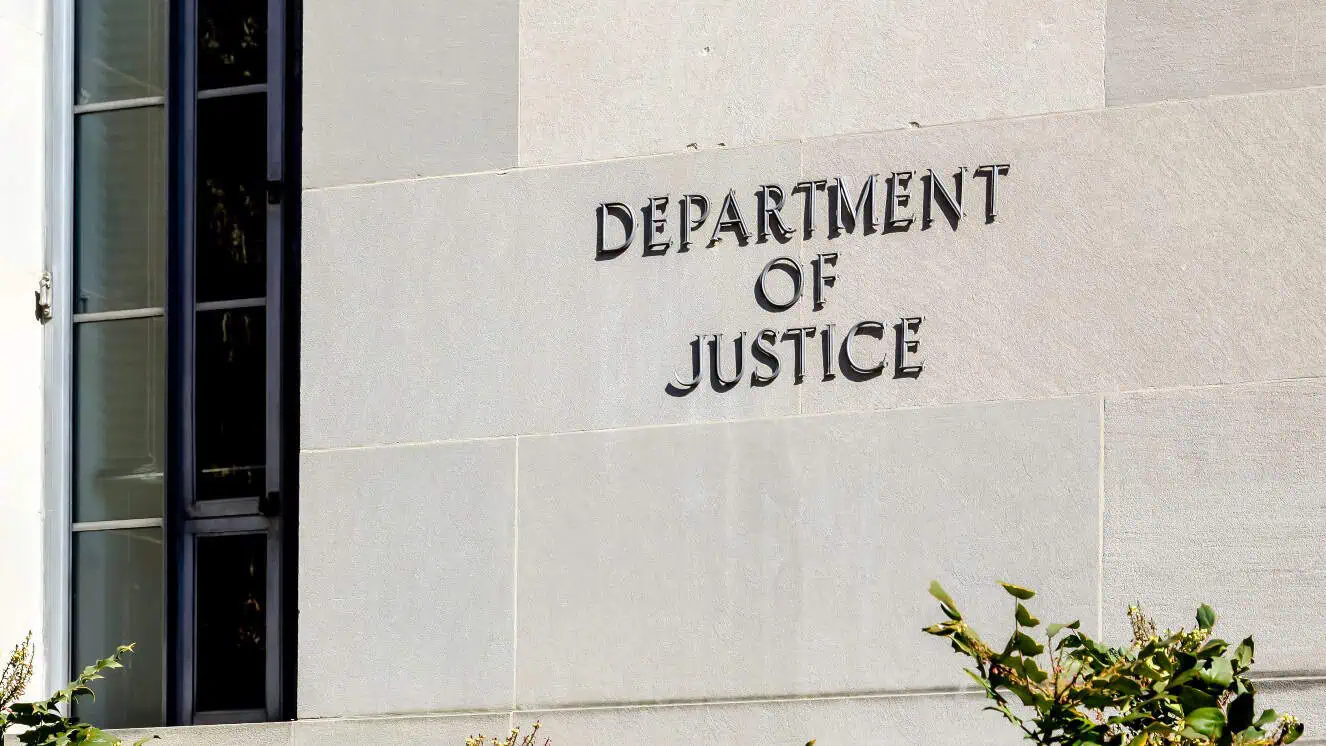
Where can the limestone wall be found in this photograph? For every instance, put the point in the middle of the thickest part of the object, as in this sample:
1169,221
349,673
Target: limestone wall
505,511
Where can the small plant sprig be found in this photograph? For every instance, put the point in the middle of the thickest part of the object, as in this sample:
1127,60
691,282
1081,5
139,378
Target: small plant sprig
1183,688
44,724
16,675
512,739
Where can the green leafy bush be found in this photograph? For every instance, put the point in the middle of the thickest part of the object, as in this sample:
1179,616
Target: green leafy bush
42,722
1182,688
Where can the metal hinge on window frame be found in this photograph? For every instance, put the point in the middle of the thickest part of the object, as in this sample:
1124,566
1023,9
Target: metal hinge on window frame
43,298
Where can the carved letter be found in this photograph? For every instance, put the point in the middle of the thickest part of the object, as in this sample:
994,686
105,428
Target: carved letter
822,279
766,355
898,198
826,349
850,359
842,217
771,201
808,216
655,223
992,173
903,346
798,336
623,214
793,270
686,384
936,191
729,219
688,225
716,364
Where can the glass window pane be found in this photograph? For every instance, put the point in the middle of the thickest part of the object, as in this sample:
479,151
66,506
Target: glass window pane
119,598
232,198
232,403
232,43
120,419
230,668
121,49
120,207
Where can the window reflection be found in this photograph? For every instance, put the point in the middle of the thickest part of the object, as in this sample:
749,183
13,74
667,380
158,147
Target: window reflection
121,49
231,403
120,419
232,199
232,43
231,588
119,598
120,209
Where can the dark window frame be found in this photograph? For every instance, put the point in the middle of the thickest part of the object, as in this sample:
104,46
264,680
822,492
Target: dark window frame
274,513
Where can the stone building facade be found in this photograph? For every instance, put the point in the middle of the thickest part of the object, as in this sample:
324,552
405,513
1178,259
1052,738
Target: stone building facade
973,291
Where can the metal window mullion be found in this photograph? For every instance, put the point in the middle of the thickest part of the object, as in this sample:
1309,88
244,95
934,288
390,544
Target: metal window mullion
275,317
120,105
181,322
227,305
238,90
119,524
121,315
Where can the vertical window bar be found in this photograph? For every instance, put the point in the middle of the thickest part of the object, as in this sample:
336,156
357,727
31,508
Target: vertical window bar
180,326
275,316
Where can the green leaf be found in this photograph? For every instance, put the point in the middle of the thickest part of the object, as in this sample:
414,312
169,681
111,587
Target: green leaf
1025,618
1124,686
1243,654
1293,732
1212,649
1018,592
1220,672
1206,617
950,608
1053,630
1193,699
1240,712
1026,645
1267,718
1208,721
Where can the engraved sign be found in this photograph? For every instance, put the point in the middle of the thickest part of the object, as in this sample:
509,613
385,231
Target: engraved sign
862,351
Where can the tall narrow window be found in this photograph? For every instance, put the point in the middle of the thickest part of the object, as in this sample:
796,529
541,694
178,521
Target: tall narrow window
228,350
180,365
119,443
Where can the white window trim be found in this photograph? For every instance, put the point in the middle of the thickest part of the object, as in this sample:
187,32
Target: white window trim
57,345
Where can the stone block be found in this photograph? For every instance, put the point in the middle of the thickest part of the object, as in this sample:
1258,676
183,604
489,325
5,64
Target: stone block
791,557
929,719
421,89
406,579
475,306
440,730
607,80
1218,496
246,734
1167,245
1157,50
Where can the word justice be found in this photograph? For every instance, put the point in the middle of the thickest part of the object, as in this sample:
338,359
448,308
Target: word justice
888,207
837,355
